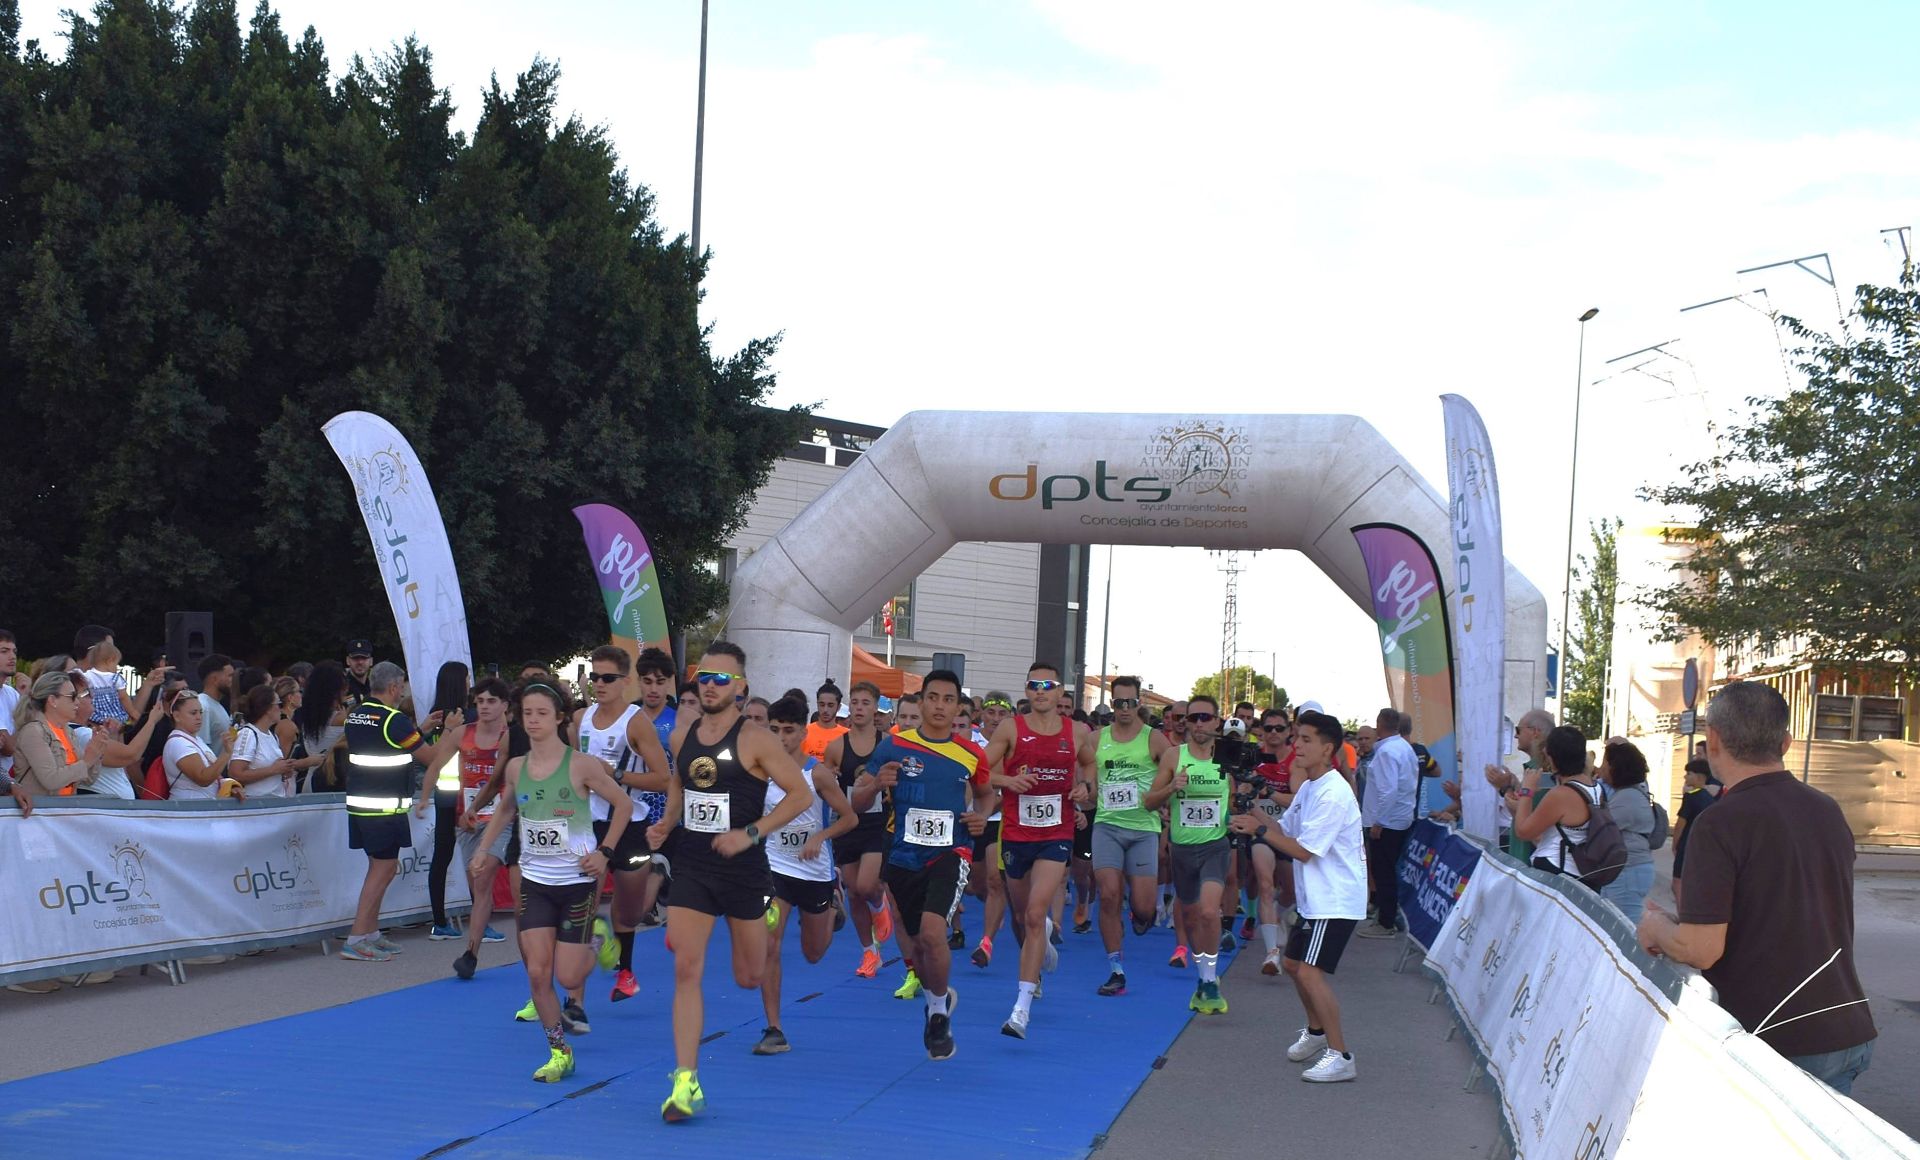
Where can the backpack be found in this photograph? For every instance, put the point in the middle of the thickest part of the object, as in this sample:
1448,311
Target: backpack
1604,854
153,786
1662,828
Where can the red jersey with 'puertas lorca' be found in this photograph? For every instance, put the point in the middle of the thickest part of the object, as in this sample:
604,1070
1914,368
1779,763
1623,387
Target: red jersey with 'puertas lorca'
1043,813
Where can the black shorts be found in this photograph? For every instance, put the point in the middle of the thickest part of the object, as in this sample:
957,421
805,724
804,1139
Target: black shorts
1016,858
632,853
983,852
803,894
381,837
860,841
741,896
513,845
1083,839
1319,942
933,889
567,910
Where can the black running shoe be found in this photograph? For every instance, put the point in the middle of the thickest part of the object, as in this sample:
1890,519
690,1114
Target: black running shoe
1054,934
773,1041
1116,984
1142,925
1083,927
1227,943
957,939
939,1037
575,1017
466,964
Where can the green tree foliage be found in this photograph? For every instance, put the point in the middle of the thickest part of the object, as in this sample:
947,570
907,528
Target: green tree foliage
1598,577
1246,685
1806,522
209,245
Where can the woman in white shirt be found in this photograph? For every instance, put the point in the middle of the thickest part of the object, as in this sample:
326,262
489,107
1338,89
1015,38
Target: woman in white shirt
193,771
258,763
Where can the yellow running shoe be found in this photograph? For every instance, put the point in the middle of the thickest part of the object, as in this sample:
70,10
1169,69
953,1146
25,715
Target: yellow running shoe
909,989
773,916
687,1098
605,944
527,1014
558,1066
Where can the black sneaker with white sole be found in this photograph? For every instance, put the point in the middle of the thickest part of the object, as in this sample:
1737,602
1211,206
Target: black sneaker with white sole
773,1041
466,964
939,1033
1116,984
575,1017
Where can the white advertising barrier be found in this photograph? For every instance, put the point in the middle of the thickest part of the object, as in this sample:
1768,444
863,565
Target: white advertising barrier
101,886
1593,1061
1478,604
409,542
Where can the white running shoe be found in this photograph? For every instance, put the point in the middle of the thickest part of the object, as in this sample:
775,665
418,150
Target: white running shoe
1053,952
1016,1025
1306,1047
1271,964
1331,1067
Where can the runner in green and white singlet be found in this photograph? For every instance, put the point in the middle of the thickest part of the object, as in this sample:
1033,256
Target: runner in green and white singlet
1120,766
1197,826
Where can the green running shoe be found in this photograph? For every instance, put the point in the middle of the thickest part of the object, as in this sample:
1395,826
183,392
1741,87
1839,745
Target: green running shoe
686,1100
559,1066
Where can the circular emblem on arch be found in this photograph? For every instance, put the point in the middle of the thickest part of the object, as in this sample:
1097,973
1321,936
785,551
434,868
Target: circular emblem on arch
703,772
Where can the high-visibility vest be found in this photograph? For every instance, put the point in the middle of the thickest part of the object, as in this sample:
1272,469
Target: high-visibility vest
380,743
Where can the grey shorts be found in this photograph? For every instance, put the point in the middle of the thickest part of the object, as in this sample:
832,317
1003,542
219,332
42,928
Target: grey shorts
1135,853
1198,864
470,844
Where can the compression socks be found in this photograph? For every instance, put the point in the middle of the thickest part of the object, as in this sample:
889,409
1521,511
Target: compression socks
1024,1004
1208,964
557,1037
1270,934
936,1004
1114,964
626,949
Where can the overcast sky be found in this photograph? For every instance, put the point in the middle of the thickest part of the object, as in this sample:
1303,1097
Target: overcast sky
1093,205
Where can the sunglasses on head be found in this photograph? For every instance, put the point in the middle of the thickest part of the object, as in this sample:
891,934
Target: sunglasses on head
1126,702
1042,686
606,678
708,677
996,704
1202,718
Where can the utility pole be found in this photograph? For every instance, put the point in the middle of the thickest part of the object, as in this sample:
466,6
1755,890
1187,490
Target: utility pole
700,131
1230,625
1106,623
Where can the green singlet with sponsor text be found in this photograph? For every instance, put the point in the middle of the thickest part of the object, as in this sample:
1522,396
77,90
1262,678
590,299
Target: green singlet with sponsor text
1198,813
1126,773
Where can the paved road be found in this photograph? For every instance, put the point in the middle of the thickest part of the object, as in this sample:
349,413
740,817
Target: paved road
1225,1089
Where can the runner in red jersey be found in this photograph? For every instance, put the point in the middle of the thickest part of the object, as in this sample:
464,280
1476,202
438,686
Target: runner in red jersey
1033,761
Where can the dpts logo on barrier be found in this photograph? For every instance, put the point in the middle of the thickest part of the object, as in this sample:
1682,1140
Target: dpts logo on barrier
292,874
123,889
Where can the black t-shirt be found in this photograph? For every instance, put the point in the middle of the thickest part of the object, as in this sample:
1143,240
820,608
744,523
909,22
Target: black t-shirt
1691,804
1773,860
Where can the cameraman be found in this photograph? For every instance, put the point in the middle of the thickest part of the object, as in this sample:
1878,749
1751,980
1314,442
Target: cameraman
1272,794
1320,831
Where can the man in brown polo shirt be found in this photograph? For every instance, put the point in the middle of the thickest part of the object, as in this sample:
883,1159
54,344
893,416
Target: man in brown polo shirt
1769,900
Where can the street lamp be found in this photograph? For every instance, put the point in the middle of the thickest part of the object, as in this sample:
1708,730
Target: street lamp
1573,481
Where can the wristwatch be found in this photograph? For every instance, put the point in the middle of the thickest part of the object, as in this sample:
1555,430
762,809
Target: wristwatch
604,852
753,833
1261,833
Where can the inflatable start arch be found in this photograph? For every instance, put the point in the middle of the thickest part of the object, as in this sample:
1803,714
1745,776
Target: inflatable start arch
1209,481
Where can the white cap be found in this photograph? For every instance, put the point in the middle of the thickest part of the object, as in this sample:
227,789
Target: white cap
1308,707
842,712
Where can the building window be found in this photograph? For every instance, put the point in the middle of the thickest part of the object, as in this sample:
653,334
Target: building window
902,616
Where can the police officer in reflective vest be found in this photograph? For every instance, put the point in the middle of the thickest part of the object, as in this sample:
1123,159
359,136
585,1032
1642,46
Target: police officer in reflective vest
384,752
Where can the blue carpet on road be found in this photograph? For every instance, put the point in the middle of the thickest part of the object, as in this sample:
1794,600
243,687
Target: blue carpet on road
442,1069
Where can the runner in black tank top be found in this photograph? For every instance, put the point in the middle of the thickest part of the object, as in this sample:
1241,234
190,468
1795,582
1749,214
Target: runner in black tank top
859,853
718,795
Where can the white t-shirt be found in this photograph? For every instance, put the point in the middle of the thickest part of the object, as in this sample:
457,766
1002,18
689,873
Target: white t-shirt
9,700
257,747
180,786
784,844
1325,819
214,720
108,781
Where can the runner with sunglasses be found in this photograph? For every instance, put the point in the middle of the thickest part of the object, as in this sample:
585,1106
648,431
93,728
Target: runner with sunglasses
1033,756
1120,769
619,733
715,828
1197,826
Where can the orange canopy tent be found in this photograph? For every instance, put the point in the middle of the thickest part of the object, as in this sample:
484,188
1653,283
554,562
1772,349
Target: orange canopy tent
891,681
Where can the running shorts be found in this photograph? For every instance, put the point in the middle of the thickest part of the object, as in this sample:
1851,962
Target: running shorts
469,842
859,842
1319,942
723,896
934,889
632,852
1135,853
983,846
1016,858
380,837
566,910
1197,864
803,894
